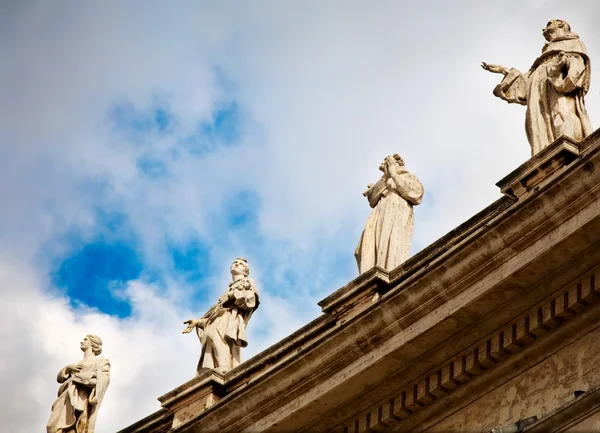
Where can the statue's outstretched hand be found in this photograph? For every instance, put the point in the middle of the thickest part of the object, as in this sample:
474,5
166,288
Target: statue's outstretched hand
191,324
496,69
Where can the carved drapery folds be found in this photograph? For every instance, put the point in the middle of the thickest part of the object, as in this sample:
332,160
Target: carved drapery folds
222,330
385,242
82,389
553,89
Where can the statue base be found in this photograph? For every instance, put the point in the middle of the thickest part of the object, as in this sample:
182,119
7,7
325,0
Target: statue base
194,396
540,169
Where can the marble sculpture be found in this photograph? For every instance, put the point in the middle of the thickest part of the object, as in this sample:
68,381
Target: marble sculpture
222,330
552,89
82,389
385,242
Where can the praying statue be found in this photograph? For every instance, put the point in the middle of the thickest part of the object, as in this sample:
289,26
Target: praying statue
553,89
385,242
222,330
82,389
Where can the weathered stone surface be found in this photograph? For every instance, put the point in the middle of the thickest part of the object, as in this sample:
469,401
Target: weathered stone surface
536,392
385,242
553,89
193,397
82,389
580,415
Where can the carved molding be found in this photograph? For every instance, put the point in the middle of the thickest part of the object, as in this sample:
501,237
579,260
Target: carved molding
532,175
481,357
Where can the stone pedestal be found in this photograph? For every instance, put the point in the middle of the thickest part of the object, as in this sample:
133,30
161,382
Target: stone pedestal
540,169
192,398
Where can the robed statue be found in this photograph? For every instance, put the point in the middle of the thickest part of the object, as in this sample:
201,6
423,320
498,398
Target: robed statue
385,242
553,89
82,389
222,330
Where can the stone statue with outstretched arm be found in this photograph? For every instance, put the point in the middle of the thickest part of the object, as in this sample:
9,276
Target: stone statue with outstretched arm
222,330
82,389
552,89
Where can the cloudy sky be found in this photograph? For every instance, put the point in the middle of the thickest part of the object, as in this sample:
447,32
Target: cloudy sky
145,145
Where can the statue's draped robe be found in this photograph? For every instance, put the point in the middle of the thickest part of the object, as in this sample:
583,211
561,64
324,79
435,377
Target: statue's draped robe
76,408
553,94
223,332
385,242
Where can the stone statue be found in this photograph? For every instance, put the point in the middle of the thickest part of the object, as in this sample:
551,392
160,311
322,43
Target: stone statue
553,89
222,330
82,389
385,242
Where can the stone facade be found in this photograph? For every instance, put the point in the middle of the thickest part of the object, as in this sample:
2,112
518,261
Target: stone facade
495,322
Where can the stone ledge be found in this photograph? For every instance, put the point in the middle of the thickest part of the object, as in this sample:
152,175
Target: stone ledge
206,377
347,300
194,396
158,422
540,169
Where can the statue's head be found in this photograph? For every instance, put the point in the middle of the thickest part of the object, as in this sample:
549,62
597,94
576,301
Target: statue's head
556,29
240,267
92,341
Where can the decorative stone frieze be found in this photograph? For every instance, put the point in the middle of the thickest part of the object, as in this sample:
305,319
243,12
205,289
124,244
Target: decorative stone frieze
481,357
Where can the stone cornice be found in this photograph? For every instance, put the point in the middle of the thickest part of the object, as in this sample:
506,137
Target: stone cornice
160,421
481,357
367,288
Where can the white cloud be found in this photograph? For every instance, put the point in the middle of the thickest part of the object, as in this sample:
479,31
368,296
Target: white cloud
40,334
329,90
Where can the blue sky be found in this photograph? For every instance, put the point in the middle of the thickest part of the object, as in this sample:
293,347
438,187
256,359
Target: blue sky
137,163
94,268
94,271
